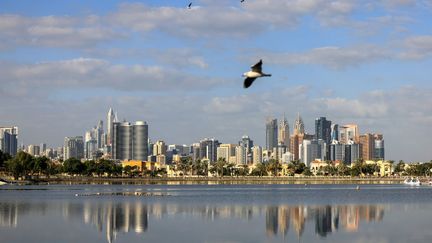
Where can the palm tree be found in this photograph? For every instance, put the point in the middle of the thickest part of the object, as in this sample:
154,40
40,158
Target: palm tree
274,167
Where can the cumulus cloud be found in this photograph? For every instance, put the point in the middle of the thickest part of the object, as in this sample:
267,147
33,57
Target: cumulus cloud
97,73
331,56
54,31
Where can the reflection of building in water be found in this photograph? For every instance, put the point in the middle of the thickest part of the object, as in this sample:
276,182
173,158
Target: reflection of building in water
113,218
272,220
8,215
120,217
327,219
323,220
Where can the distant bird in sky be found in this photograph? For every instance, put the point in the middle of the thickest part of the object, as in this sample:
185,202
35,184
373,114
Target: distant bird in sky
242,1
256,72
190,5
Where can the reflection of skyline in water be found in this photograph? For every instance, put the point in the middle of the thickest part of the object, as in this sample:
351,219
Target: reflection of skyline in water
112,218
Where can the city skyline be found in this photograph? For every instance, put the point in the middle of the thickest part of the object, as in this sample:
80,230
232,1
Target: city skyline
179,69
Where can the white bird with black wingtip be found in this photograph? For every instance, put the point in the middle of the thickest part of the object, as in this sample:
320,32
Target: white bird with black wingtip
256,72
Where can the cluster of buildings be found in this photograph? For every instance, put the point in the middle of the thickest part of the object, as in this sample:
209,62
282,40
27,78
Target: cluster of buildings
129,141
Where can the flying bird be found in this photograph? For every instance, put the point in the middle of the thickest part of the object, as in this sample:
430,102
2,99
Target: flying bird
256,72
190,5
242,1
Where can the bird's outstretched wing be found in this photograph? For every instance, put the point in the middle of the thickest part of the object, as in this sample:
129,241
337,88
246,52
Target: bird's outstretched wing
248,82
257,67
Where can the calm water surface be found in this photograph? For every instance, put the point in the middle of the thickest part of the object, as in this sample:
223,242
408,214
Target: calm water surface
215,213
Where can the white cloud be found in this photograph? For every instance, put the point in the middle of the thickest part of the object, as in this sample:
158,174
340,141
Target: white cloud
97,73
331,56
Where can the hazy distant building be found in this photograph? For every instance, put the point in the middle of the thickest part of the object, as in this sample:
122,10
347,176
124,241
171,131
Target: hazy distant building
337,151
9,140
73,148
240,153
34,150
284,133
91,149
246,143
271,134
351,153
130,141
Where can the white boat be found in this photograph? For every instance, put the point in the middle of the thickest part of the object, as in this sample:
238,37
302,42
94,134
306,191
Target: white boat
412,181
2,183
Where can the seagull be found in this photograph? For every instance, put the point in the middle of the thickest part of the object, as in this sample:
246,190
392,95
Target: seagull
190,5
256,72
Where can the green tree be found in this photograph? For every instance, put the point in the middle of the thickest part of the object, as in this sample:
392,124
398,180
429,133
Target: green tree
219,166
73,166
259,170
274,167
330,169
307,172
400,167
342,169
40,165
3,158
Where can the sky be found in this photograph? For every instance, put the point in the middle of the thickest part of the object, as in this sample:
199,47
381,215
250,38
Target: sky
63,64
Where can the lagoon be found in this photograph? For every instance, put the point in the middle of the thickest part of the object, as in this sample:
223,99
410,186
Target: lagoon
215,213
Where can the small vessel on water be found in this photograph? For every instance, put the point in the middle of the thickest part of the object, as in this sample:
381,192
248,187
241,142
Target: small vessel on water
412,181
2,182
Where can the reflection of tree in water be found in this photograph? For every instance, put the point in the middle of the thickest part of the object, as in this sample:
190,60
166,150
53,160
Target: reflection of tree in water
125,217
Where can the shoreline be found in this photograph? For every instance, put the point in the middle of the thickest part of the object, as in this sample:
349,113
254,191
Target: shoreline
217,180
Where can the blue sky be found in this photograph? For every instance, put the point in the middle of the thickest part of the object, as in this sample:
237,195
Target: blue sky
64,63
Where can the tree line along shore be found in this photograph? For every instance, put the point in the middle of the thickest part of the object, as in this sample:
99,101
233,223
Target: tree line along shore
25,167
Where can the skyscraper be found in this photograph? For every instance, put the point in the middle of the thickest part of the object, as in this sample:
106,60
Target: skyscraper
334,132
257,154
323,129
110,121
299,125
349,132
284,133
367,146
379,147
99,134
73,148
130,141
271,134
208,149
9,140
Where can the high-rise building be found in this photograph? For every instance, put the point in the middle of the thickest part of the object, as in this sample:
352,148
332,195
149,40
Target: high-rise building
296,140
130,141
352,153
334,132
34,150
110,120
379,147
99,135
271,134
43,148
240,153
337,151
367,146
284,133
159,148
323,129
73,148
299,125
90,149
246,143
256,154
349,132
226,151
9,140
208,149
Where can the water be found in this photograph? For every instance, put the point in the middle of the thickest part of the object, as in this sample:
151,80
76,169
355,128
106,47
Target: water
215,213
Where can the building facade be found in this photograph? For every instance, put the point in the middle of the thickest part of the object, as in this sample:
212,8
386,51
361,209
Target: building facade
130,141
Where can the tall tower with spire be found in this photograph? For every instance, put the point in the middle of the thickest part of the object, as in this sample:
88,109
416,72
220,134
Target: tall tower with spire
110,120
284,132
299,125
